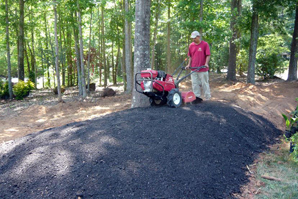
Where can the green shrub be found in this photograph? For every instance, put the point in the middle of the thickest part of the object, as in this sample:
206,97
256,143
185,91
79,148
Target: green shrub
22,89
4,92
291,133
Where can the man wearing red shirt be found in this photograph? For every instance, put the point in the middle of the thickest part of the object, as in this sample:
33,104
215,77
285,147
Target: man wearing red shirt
199,55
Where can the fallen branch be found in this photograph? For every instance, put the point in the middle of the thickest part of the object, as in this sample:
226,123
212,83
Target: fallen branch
270,178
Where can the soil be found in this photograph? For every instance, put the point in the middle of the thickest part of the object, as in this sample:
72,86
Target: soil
100,148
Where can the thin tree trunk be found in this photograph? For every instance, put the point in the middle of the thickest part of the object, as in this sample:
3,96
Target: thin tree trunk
81,52
169,67
47,50
128,53
56,56
89,51
103,47
8,52
142,46
69,59
293,59
113,65
155,34
78,59
201,14
253,46
33,60
21,71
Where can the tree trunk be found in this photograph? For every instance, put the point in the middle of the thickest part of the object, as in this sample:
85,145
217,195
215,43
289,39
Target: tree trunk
8,52
89,52
81,52
128,53
169,37
78,61
233,47
21,71
155,34
56,56
103,47
142,46
47,50
293,59
33,59
253,46
69,57
201,14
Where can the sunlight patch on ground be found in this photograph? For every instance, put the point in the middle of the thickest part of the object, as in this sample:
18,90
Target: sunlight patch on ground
11,130
41,120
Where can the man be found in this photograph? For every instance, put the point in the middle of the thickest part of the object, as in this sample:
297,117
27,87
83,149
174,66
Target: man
199,55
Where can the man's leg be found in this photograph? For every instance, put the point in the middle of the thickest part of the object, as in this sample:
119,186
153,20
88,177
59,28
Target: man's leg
204,78
195,80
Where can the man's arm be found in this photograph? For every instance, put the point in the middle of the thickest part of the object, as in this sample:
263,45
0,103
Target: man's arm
207,61
189,62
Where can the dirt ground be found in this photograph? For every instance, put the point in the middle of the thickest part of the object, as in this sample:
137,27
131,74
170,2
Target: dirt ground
41,111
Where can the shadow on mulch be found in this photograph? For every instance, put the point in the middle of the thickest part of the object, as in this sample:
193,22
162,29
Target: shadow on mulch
195,151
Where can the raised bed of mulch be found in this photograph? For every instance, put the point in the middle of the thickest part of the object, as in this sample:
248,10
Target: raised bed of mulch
195,151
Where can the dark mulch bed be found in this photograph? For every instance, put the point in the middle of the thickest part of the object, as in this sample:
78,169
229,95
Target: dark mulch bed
196,151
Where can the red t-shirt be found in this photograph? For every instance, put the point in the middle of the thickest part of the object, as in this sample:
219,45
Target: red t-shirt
198,53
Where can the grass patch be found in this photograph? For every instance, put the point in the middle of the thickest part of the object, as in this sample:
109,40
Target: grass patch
278,164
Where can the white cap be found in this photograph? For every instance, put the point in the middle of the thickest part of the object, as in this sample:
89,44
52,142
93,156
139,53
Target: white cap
194,34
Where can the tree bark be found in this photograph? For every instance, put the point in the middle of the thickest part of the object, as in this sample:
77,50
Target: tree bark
201,14
141,46
56,56
233,47
89,52
155,34
47,50
81,52
128,53
293,59
253,45
169,37
78,59
104,47
8,52
21,71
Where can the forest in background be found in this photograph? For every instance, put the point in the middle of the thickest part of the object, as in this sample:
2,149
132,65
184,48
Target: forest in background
88,40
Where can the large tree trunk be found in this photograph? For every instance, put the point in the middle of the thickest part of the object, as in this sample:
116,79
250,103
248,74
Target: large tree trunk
293,59
169,37
81,52
8,52
128,53
142,46
56,56
155,34
253,46
233,47
21,71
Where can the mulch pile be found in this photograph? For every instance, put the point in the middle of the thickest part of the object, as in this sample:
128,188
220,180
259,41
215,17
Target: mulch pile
195,151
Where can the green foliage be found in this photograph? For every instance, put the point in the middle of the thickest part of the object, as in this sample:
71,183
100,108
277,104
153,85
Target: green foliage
4,92
292,131
269,56
22,89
